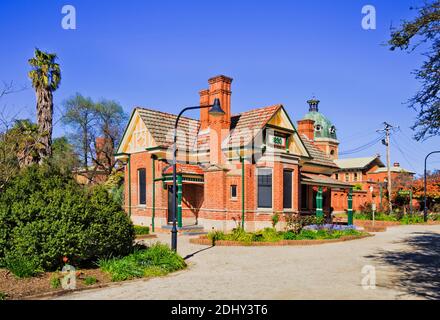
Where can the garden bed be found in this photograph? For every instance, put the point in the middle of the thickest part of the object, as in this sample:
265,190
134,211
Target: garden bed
203,240
270,237
13,288
157,260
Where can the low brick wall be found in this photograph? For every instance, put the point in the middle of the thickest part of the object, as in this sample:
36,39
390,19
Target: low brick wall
203,240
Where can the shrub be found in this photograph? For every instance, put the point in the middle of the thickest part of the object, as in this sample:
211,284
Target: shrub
366,209
289,235
141,230
21,266
296,223
216,236
88,281
412,219
3,296
436,208
55,282
45,216
275,219
156,260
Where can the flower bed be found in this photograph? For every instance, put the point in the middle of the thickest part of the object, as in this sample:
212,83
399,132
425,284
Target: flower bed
157,260
271,237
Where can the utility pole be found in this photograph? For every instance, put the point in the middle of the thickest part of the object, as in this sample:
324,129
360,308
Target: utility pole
387,130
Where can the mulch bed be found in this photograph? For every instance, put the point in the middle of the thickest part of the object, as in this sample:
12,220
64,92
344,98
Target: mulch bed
203,240
16,288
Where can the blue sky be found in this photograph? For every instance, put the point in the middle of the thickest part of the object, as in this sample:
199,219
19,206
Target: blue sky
159,54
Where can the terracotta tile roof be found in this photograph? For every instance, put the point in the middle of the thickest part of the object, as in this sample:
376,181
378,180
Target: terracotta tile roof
246,125
318,157
161,126
184,169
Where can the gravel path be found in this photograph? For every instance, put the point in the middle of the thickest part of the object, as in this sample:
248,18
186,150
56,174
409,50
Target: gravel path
406,260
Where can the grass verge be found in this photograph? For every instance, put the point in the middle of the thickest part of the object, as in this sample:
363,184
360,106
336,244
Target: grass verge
157,260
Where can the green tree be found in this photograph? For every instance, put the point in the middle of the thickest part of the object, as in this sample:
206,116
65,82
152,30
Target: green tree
63,155
111,124
424,29
80,115
46,77
97,129
19,148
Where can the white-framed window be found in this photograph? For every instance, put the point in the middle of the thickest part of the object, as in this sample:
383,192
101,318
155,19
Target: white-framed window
233,189
264,179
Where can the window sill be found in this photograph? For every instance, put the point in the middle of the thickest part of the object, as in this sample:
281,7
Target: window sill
264,210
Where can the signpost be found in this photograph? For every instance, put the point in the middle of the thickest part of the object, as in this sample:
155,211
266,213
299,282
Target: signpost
373,208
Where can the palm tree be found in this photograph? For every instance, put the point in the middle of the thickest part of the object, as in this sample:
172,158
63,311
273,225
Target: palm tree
46,77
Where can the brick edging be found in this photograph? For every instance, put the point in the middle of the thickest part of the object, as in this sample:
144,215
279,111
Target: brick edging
203,240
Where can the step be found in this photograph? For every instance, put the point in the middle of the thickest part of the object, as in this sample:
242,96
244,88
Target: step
185,230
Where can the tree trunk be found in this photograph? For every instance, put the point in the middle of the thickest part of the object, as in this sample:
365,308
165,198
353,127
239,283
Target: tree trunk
44,121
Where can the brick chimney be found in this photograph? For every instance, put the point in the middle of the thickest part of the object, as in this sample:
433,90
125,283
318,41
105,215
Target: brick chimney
103,146
219,126
307,127
219,87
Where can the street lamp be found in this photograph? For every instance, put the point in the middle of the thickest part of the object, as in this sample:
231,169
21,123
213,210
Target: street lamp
425,209
215,110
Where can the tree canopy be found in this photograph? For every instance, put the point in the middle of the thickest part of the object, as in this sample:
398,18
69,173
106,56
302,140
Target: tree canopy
423,30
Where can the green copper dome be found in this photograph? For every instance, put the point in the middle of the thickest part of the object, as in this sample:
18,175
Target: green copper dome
323,126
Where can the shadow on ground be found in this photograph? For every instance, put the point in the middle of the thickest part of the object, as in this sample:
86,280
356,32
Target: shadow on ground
194,253
418,266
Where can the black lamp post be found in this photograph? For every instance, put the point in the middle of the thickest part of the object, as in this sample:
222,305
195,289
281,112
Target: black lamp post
425,209
216,110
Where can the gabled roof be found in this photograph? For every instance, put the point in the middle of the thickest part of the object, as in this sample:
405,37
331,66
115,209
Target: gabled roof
246,125
318,157
357,163
161,126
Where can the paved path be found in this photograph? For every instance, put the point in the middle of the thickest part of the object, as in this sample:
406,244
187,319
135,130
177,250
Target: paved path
406,259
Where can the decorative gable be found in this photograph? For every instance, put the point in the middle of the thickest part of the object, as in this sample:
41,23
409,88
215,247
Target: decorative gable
281,121
137,137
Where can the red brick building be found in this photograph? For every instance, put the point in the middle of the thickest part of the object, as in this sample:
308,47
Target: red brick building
367,176
283,169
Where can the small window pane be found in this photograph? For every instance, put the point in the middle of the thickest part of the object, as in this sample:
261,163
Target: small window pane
233,191
142,184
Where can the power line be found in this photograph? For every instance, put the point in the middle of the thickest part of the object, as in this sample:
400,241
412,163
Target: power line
403,154
362,147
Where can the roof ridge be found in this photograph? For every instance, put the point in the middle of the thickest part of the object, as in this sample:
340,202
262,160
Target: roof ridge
316,149
167,113
257,109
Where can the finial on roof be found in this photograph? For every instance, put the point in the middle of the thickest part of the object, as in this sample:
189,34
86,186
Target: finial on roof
313,104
